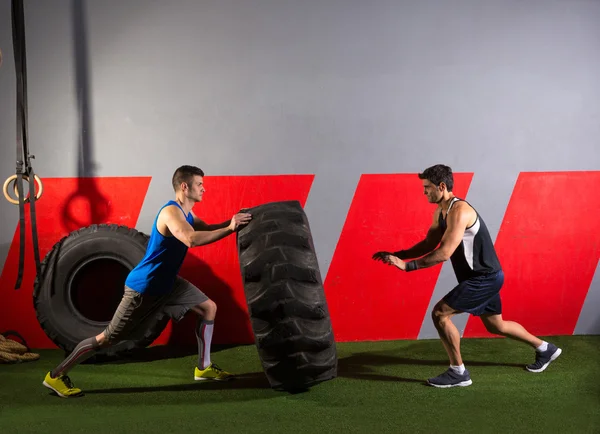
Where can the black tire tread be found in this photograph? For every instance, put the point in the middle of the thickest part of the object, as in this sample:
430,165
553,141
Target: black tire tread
285,297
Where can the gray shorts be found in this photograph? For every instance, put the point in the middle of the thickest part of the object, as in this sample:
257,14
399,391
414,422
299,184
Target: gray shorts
140,310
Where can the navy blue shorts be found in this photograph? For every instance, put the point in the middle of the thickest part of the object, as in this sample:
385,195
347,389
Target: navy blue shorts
478,295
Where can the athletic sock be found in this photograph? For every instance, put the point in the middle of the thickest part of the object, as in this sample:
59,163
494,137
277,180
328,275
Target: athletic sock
458,369
83,351
204,332
542,347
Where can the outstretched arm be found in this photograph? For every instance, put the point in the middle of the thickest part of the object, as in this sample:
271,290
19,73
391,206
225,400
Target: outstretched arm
433,238
200,225
458,221
434,235
178,226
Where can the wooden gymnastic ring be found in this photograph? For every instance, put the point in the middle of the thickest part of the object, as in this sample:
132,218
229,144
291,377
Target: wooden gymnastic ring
13,178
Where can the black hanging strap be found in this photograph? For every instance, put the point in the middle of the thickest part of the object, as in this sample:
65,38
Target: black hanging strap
24,168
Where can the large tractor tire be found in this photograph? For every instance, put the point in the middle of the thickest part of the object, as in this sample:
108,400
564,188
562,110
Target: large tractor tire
81,283
285,297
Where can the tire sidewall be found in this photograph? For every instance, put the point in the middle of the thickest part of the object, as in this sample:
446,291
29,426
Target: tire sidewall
59,318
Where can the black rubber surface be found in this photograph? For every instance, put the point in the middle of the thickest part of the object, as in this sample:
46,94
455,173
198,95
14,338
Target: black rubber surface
285,297
81,284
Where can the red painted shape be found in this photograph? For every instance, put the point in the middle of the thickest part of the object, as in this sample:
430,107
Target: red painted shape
367,299
215,268
549,249
66,204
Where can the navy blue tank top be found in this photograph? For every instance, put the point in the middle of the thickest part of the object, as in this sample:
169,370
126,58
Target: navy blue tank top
475,255
156,272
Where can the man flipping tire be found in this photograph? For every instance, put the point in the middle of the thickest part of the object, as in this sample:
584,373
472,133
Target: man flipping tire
153,287
463,238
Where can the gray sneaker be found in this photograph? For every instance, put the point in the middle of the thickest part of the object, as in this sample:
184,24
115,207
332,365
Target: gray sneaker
543,359
451,378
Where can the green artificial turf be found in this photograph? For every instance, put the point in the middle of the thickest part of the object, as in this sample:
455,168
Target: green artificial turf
380,388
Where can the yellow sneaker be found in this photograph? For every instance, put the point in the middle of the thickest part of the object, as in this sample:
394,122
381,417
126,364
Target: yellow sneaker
62,386
212,372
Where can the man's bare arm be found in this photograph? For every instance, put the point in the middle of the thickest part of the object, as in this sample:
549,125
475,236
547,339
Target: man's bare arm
458,221
433,238
176,223
200,225
434,235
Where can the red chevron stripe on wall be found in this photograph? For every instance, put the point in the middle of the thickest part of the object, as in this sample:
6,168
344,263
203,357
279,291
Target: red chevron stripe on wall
548,250
67,204
549,247
370,301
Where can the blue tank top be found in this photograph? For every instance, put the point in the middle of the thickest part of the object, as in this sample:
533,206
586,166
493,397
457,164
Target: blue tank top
156,273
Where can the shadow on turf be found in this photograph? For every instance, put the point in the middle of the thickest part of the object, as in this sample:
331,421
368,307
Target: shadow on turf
150,354
252,380
359,366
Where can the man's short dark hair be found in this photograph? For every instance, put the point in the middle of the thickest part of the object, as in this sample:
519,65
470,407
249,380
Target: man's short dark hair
185,174
438,174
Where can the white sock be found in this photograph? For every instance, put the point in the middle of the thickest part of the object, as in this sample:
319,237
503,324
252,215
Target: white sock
204,332
542,347
458,369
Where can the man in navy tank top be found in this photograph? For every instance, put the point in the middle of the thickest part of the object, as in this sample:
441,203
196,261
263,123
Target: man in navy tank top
153,287
459,233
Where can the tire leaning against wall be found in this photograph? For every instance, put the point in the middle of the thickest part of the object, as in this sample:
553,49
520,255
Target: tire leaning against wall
285,297
62,322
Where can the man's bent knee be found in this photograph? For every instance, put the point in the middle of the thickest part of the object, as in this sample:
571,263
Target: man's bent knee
441,312
103,340
207,309
437,315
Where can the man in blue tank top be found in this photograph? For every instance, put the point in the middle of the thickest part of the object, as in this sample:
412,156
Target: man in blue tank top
459,233
153,287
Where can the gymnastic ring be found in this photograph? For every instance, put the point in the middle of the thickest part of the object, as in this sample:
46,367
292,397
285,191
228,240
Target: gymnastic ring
39,193
13,178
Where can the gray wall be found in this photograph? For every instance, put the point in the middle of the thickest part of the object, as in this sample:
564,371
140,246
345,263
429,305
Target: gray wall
331,87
